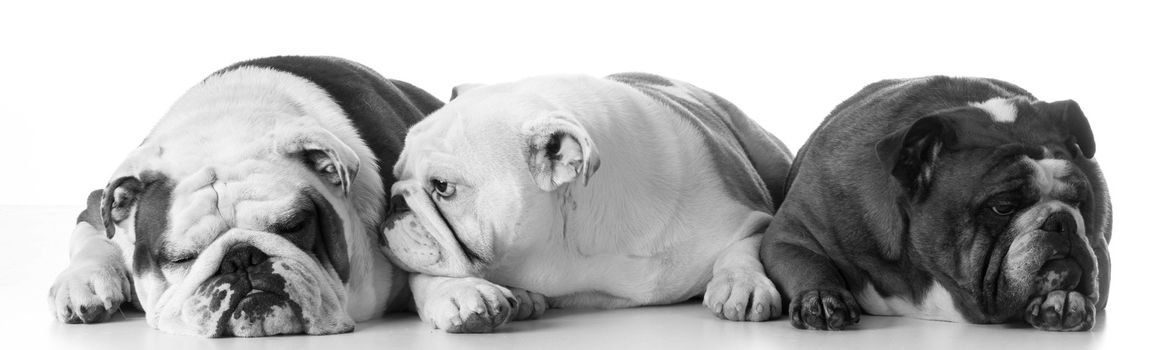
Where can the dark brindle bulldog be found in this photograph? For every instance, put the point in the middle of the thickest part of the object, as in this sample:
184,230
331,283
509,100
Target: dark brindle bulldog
253,206
949,199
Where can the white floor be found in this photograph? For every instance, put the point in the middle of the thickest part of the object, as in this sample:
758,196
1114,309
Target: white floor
34,250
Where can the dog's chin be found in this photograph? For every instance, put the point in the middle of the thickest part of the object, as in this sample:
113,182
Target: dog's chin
280,300
262,314
410,246
248,304
291,293
413,248
1034,266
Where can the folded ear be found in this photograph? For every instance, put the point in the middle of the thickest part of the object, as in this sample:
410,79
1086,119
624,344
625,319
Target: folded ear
117,201
462,89
333,160
909,153
1069,112
558,150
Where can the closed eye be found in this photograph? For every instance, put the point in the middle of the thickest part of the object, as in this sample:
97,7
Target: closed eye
294,223
184,259
177,259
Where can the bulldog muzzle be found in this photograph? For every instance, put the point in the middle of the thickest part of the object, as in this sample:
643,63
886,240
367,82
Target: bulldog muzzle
420,239
250,283
1050,253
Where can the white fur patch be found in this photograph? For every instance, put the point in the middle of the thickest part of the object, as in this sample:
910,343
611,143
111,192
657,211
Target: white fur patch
1001,109
938,305
1049,174
648,228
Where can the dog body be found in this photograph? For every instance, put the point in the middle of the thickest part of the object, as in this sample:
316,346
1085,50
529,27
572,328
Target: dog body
253,207
954,199
503,192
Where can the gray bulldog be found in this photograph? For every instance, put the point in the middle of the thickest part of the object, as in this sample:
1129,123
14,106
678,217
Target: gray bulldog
958,199
577,191
252,208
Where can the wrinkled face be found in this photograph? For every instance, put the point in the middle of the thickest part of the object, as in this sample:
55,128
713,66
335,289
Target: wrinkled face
1006,222
1017,226
238,231
216,254
461,193
248,251
476,177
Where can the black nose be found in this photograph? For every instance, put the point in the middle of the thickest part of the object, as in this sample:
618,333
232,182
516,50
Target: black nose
240,258
1060,222
397,204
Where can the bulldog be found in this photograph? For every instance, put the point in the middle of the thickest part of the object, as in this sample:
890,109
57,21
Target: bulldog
958,199
576,191
252,208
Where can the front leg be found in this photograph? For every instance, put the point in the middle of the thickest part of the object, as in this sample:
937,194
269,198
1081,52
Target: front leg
529,305
739,289
462,304
817,295
96,282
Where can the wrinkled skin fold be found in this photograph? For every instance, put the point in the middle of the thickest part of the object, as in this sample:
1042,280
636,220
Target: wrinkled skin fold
312,301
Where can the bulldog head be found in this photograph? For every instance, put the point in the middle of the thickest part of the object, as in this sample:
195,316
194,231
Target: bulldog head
476,174
999,201
240,208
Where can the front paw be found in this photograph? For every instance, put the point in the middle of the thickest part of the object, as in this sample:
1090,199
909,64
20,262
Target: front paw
89,293
530,305
1061,310
743,296
823,310
471,306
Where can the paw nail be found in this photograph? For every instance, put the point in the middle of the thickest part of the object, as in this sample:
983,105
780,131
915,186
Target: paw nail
758,308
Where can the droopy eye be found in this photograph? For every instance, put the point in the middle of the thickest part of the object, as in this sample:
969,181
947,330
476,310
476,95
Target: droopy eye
1003,209
172,260
184,258
295,222
292,226
442,188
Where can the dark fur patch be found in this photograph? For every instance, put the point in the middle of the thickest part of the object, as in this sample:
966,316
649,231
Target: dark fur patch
151,223
741,179
255,290
381,110
114,209
330,246
638,78
769,155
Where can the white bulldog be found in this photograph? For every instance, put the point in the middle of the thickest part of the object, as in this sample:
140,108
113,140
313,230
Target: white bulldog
578,191
252,208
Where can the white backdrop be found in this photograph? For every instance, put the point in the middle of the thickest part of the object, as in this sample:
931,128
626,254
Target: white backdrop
82,83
